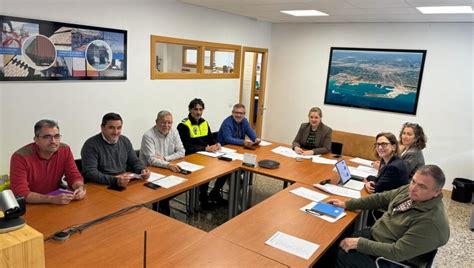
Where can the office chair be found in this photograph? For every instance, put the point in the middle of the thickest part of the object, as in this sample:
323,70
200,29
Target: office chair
428,256
336,147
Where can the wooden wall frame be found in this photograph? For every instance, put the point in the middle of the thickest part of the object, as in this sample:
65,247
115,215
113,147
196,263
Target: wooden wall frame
201,46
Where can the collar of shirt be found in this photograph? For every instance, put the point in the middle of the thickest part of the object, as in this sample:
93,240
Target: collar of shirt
108,142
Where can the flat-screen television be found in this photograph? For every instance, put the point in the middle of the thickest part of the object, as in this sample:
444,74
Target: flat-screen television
379,79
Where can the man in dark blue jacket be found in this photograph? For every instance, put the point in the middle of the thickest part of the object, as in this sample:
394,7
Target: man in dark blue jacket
235,127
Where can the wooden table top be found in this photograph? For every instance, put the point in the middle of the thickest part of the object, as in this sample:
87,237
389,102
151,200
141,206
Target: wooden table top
137,193
281,212
49,219
119,242
304,171
213,251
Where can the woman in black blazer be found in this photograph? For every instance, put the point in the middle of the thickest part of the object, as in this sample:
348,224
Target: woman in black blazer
313,137
392,171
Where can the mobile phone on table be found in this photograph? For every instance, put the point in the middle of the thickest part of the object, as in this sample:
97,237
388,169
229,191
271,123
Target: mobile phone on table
184,171
152,185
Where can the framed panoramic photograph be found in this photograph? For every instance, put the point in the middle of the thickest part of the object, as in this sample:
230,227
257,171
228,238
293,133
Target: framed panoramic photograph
379,79
32,50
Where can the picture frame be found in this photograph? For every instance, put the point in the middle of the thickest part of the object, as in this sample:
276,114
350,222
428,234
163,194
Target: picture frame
374,78
38,50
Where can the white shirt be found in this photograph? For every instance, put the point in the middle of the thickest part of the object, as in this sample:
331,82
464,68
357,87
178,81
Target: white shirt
154,143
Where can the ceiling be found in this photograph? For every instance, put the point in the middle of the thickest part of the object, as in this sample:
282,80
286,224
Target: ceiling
338,10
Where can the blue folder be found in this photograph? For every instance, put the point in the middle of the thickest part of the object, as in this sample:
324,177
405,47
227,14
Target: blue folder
327,209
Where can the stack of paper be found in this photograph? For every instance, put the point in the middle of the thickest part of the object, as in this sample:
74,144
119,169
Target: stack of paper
264,143
211,154
170,181
155,176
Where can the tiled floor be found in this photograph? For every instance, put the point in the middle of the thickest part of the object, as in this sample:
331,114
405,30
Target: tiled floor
458,252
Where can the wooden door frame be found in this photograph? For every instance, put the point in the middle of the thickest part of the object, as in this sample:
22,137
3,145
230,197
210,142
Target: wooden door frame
263,82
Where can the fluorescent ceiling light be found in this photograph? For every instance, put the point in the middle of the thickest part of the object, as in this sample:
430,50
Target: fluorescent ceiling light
446,10
304,13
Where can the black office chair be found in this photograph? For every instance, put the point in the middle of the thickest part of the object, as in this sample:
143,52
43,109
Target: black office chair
336,148
429,257
215,135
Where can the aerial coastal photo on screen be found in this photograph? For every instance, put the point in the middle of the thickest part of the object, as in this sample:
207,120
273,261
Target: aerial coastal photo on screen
377,79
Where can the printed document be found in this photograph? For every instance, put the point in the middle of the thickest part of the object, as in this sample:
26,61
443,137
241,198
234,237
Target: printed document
264,143
155,176
170,181
189,166
288,152
321,160
211,154
292,245
337,190
309,194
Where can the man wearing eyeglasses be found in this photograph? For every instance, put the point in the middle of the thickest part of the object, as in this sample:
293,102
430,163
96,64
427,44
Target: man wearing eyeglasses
236,127
106,156
37,168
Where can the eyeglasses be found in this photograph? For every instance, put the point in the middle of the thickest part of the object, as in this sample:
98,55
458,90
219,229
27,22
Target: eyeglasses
51,137
382,144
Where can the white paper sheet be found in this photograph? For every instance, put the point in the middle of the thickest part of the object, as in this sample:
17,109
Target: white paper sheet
288,152
292,245
155,176
189,166
227,150
337,190
170,181
309,194
362,161
321,160
211,154
355,185
358,173
370,170
235,156
324,217
264,143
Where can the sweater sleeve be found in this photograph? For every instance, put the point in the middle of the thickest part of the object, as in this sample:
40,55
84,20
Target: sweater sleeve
373,201
19,176
90,165
417,240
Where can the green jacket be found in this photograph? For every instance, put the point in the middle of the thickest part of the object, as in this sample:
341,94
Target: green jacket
403,236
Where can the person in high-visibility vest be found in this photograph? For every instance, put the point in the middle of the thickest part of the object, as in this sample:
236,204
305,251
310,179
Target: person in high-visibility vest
196,136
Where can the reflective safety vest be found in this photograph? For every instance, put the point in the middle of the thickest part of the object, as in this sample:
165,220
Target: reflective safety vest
196,131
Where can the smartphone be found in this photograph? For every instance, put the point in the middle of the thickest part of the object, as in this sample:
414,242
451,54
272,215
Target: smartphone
184,171
152,185
116,188
225,158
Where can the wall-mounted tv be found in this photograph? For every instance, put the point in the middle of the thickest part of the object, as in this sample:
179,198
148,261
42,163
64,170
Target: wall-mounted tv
379,79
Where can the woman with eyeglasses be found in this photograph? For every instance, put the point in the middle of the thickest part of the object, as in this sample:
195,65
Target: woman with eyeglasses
412,142
313,137
393,172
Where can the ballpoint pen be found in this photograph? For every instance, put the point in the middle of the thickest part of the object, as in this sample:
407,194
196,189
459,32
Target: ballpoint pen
309,211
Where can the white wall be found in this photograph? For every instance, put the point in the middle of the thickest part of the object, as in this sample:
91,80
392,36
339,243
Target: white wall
298,71
79,106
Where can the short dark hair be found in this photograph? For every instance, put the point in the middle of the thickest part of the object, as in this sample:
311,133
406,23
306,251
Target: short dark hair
420,137
110,117
391,138
45,123
435,172
195,102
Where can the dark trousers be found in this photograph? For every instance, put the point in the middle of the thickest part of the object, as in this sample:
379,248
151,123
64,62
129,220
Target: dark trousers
216,190
356,259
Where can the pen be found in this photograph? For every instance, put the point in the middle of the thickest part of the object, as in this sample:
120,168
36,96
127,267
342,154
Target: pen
309,211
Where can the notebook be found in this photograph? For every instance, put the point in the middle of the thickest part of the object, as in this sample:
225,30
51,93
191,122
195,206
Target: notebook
327,209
